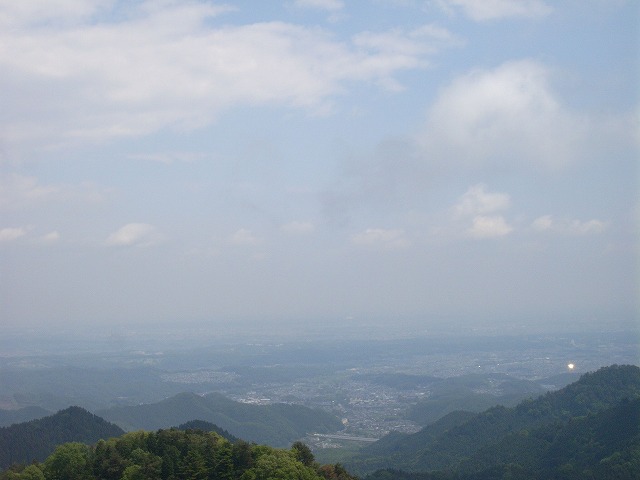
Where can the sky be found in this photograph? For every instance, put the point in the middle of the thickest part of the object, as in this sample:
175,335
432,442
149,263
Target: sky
319,162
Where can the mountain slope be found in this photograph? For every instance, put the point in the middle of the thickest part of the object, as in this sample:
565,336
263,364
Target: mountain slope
472,393
581,443
426,450
34,440
277,425
26,414
596,446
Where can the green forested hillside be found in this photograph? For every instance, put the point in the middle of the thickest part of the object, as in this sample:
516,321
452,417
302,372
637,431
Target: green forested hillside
177,455
583,446
36,439
435,449
601,446
277,425
587,430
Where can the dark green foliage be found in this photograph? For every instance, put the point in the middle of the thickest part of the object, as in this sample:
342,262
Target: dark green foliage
597,442
604,446
516,436
303,453
176,455
242,456
70,461
34,440
207,427
392,474
398,442
276,425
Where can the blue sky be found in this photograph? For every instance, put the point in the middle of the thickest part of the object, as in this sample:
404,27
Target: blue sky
319,162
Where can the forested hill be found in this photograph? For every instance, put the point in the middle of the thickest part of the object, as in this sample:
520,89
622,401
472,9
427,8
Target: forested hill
600,446
277,424
438,447
177,455
36,439
207,427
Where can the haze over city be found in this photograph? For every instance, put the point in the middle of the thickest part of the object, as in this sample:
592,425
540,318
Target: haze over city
323,162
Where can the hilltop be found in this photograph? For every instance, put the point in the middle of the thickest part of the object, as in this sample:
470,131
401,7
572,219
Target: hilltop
36,439
276,424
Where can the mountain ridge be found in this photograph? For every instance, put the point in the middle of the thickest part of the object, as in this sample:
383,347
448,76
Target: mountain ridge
276,424
427,450
35,439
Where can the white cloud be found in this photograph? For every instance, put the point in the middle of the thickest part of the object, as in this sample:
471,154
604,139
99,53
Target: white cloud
298,228
244,236
477,200
48,12
588,227
507,116
400,49
476,206
19,190
381,238
489,227
406,46
139,234
168,157
547,223
163,65
10,234
330,5
483,10
50,237
542,224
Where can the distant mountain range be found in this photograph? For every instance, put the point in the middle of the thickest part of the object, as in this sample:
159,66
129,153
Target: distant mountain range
474,392
36,439
535,437
9,417
277,424
174,454
589,429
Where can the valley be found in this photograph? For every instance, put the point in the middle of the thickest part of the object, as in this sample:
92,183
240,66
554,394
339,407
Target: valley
373,386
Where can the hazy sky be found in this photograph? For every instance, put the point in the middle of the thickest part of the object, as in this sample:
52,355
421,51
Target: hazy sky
318,160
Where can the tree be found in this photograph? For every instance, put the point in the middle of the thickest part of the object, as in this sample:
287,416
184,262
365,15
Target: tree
241,455
69,461
150,465
194,466
108,463
32,472
303,453
281,465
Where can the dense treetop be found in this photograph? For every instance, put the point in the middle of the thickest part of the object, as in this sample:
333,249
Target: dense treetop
175,455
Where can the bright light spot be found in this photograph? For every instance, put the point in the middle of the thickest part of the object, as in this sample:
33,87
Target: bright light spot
571,366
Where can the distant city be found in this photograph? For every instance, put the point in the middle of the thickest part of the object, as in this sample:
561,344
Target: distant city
374,386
